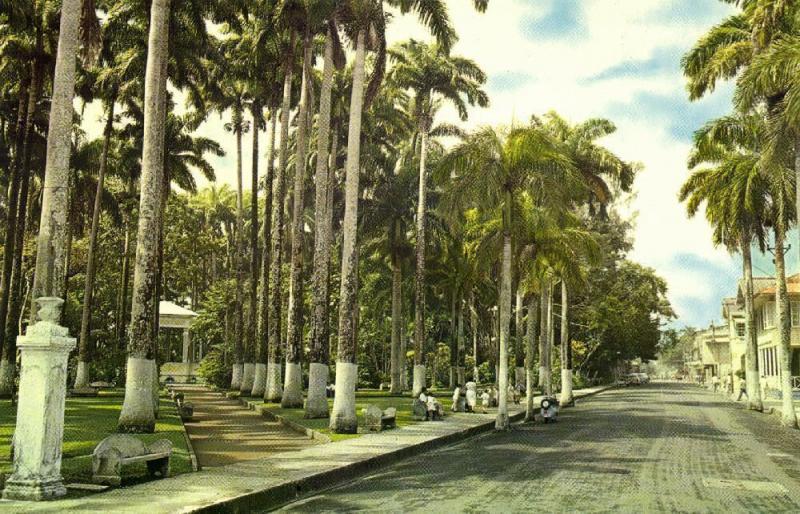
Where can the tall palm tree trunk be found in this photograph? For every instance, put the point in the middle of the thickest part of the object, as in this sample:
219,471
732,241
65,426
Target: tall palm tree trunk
318,371
473,325
260,380
566,365
343,417
293,381
8,359
548,360
238,375
460,371
138,413
396,365
250,353
82,378
453,342
751,338
274,384
252,320
788,417
530,357
11,296
519,351
502,422
419,274
543,334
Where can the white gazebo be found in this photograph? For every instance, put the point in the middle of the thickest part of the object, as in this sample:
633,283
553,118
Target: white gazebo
172,315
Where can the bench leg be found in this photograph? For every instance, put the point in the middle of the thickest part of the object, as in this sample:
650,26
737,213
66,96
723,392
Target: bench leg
160,467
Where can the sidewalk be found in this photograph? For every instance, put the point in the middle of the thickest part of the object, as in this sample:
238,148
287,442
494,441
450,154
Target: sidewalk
223,432
272,481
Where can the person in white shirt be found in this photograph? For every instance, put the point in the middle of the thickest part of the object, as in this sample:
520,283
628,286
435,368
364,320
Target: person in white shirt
485,400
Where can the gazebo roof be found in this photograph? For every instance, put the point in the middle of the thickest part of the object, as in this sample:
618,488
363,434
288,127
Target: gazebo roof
172,315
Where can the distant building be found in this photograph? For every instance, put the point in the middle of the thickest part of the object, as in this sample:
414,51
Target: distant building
733,314
710,354
767,330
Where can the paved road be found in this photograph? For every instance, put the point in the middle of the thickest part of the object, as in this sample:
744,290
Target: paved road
224,432
654,448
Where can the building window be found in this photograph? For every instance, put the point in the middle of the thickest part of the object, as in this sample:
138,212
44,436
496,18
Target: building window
768,315
740,329
795,309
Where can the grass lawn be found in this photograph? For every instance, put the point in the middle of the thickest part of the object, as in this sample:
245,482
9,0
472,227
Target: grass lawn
364,397
87,421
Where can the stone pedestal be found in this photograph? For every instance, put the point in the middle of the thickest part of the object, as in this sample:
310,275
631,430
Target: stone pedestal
40,412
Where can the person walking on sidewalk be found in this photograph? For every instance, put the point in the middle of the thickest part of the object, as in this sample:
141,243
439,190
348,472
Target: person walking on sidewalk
742,389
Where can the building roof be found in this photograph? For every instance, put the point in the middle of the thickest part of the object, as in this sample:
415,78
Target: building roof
759,285
792,286
173,309
172,315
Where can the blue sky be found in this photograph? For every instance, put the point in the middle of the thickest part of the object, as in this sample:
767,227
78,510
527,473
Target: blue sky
618,59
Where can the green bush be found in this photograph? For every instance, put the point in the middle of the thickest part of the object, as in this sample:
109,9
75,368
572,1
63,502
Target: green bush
213,370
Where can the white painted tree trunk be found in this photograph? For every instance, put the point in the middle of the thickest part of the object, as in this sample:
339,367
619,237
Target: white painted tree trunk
343,416
274,390
566,368
788,416
293,384
502,422
138,409
751,352
248,378
237,372
259,380
316,400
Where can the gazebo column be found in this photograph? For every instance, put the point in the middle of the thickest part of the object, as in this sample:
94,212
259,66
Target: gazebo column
187,344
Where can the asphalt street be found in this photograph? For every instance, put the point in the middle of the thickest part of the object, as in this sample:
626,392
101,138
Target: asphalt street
661,447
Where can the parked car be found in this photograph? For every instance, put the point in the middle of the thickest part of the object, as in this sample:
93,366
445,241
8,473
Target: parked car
632,379
644,378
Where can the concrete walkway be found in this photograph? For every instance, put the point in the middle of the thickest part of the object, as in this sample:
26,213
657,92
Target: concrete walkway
224,432
270,482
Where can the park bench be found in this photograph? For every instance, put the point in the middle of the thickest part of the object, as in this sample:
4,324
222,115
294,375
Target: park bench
185,409
377,420
119,450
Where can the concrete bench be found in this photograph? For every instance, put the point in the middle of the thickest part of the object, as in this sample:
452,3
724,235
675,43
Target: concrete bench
376,420
118,450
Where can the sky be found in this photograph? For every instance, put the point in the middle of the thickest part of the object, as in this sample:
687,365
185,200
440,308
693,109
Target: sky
617,59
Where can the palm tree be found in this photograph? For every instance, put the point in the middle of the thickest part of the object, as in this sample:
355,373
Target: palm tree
494,170
318,370
274,389
431,74
293,381
735,192
138,414
364,21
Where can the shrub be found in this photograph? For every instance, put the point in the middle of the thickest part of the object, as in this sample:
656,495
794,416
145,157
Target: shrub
213,370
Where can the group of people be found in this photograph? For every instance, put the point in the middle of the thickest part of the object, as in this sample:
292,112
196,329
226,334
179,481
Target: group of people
434,409
465,399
